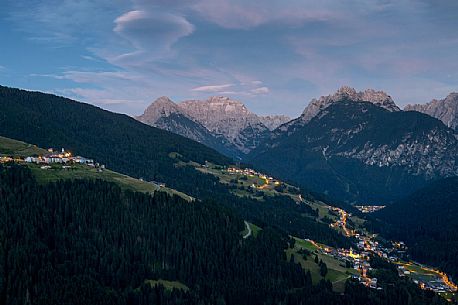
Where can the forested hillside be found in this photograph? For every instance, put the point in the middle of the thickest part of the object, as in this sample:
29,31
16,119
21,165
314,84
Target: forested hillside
120,142
428,222
87,242
130,147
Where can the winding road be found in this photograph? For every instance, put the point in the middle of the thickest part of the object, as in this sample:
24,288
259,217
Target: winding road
248,234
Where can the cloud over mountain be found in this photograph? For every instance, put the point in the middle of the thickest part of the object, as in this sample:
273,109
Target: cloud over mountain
175,47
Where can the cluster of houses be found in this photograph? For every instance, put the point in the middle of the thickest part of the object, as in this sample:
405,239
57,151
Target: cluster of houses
369,208
62,157
437,281
251,172
358,260
342,221
248,172
7,159
395,253
245,171
367,245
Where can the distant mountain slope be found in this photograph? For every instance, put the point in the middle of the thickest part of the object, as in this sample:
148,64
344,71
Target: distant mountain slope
122,143
273,121
428,221
229,118
445,110
219,122
165,114
360,151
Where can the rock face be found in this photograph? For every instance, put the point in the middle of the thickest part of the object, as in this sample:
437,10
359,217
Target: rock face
445,110
360,147
224,124
274,121
378,98
162,107
229,118
165,114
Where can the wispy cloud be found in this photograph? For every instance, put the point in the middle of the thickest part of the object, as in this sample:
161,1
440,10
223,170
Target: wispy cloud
260,90
63,21
237,14
274,55
212,88
246,89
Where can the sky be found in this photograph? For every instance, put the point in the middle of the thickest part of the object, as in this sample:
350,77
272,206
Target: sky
273,55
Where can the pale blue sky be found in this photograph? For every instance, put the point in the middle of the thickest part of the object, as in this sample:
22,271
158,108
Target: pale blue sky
272,55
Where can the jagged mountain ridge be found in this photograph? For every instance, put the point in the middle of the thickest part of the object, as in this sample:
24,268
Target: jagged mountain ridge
219,122
445,110
378,98
273,121
361,151
165,114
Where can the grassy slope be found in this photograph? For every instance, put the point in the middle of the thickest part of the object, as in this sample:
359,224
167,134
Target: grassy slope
77,171
254,229
15,148
337,274
168,285
227,178
10,147
118,141
289,190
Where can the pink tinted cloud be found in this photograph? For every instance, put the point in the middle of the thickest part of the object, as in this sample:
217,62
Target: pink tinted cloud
245,15
212,88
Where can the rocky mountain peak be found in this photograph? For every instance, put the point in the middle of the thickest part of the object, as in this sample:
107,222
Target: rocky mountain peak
218,105
161,107
229,118
218,109
445,110
378,98
220,122
346,91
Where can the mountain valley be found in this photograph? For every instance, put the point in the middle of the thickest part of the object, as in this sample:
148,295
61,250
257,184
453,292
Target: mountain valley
337,143
311,237
228,152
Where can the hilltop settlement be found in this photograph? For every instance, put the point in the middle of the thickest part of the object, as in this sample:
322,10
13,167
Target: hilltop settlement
54,157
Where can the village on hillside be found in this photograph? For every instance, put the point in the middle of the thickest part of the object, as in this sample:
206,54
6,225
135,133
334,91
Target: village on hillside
367,244
251,172
394,252
54,157
369,208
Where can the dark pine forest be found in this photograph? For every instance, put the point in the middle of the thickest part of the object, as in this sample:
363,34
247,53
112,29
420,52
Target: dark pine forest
130,147
428,221
88,242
